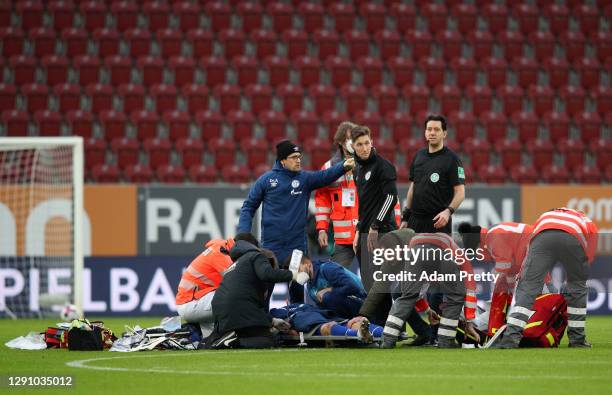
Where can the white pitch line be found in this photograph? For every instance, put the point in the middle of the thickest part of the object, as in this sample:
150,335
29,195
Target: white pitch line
84,364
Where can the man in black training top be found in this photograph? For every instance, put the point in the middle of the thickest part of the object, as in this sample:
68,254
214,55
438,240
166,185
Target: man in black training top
437,183
375,179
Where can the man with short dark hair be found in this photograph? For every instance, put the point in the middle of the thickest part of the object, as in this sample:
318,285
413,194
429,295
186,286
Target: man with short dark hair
437,183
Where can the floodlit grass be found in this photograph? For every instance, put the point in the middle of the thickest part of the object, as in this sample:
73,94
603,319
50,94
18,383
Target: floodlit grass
319,371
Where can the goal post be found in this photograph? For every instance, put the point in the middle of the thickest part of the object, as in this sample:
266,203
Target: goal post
41,219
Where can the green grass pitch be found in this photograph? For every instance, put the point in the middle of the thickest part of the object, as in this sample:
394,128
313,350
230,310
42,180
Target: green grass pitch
318,371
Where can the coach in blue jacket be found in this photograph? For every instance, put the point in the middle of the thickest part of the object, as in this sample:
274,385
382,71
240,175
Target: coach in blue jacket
285,193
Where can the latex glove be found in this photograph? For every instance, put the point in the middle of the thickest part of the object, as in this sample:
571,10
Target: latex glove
281,325
301,277
471,331
434,318
349,164
323,242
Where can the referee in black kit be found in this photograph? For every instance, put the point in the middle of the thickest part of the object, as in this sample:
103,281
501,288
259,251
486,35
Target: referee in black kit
437,183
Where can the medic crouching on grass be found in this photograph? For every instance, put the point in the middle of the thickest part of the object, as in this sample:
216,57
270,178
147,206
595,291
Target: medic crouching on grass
285,194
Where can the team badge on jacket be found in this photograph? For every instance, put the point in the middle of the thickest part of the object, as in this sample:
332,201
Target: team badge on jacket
295,183
434,177
273,182
367,175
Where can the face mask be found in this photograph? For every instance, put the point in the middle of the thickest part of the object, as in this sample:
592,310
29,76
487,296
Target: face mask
349,146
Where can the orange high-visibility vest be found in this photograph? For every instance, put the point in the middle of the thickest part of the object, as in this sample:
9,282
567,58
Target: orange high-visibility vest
204,273
507,243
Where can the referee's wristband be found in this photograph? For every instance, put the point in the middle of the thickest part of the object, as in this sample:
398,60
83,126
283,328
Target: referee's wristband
452,210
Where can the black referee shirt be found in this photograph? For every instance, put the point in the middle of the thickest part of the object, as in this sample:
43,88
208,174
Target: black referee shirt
434,175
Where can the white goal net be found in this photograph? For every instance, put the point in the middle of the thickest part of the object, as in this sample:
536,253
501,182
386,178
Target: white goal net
41,211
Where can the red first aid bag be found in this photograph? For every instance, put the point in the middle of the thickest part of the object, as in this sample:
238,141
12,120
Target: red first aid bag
547,325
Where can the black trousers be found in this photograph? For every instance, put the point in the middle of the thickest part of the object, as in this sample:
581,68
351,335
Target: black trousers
425,224
256,337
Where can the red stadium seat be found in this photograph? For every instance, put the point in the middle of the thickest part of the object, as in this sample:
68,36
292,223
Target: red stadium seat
292,97
236,174
260,97
183,68
601,148
527,16
523,174
157,13
12,41
527,125
8,94
75,41
138,174
319,152
120,69
234,42
216,69
88,68
170,174
62,13
482,44
526,70
492,174
81,123
242,123
402,69
496,70
95,152
340,70
332,119
190,150
203,174
495,125
374,16
201,41
608,173
165,96
24,69
512,42
246,70
296,42
400,124
158,150
386,98
126,150
265,42
602,40
104,173
37,97
449,97
251,15
558,72
511,97
509,151
403,175
389,43
260,170
435,15
113,124
466,16
68,97
541,151
573,42
354,97
385,148
543,43
306,124
310,70
49,123
139,41
372,120
497,16
228,97
125,13
210,123
421,44
574,97
220,15
371,71
433,68
588,16
145,123
451,43
573,150
324,98
405,16
481,98
15,123
278,70
558,125
133,97
312,16
224,151
589,71
603,98
589,124
94,14
256,153
586,174
44,41
275,125
465,70
417,97
170,42
558,18
178,124
108,41
281,15
555,174
478,150
543,98
196,96
357,42
327,42
343,15
410,146
464,124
